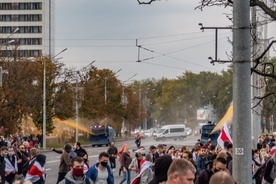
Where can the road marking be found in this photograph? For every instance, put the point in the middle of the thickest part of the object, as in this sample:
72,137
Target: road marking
53,161
48,169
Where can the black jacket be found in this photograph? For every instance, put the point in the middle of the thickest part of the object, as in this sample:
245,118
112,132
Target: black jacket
2,169
79,151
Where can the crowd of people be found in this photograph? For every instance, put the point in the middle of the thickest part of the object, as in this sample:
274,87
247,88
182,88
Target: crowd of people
21,162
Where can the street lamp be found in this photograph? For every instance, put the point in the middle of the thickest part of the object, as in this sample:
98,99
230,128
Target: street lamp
44,97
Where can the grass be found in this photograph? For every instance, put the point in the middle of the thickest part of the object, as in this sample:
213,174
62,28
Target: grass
60,145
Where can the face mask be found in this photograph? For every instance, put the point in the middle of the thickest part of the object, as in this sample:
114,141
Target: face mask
77,171
85,160
10,153
104,164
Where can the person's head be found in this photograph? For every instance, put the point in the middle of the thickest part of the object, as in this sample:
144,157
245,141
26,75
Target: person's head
41,159
162,165
181,171
164,148
77,145
103,159
84,156
112,143
67,147
152,149
142,150
219,164
139,154
202,151
21,148
212,148
230,147
187,155
10,151
222,177
225,144
33,152
185,148
160,148
77,164
223,155
3,151
126,149
148,157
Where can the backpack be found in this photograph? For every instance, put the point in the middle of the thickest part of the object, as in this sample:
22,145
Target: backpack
86,181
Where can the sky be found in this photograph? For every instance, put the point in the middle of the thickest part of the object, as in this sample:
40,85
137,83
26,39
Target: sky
167,31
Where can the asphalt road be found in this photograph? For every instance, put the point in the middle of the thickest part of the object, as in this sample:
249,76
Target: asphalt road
52,163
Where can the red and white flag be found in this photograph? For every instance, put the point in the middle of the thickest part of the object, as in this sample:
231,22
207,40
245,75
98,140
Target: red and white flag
224,136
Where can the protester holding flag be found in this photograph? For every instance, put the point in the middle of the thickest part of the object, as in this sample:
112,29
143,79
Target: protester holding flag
145,175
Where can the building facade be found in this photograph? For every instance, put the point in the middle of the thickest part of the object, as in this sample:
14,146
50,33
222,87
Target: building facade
27,27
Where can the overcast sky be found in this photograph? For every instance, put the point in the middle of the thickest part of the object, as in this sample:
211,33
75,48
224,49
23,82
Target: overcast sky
106,31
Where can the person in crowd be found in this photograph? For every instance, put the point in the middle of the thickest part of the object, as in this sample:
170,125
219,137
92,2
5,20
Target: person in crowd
152,150
189,156
37,173
119,154
112,151
201,160
101,172
211,155
164,149
72,153
76,174
86,162
125,162
22,159
161,168
260,143
146,174
3,152
222,177
270,170
11,166
64,165
136,162
181,171
33,153
218,165
229,153
256,161
159,151
78,149
170,148
137,140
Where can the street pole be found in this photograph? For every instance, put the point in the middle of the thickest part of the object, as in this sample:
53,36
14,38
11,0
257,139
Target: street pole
77,109
242,154
254,81
44,98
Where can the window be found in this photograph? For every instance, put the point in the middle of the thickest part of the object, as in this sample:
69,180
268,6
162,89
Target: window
175,130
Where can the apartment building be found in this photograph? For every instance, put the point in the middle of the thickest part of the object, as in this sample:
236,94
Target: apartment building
27,27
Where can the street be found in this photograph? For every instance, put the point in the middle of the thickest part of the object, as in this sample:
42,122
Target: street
53,158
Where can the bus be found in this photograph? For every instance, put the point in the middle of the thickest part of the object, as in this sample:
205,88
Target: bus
101,135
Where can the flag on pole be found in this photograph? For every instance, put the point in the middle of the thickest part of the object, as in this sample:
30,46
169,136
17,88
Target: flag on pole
224,136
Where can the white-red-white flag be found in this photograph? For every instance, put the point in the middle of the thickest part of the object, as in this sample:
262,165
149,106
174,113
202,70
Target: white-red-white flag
224,136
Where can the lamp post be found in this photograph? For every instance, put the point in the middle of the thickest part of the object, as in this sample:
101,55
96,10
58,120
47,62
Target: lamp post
44,98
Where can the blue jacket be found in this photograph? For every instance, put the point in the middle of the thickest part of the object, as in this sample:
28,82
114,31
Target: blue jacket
92,174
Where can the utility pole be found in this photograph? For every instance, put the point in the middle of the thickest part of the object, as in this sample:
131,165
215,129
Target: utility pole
77,108
255,123
242,154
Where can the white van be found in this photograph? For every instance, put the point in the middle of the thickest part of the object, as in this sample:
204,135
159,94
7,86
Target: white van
176,131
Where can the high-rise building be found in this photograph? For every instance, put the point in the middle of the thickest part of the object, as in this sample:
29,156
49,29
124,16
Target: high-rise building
29,25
